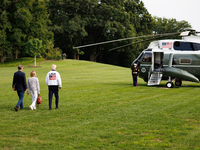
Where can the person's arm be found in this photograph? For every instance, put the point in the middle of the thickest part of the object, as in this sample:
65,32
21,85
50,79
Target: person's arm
38,86
13,84
46,79
28,86
24,82
59,81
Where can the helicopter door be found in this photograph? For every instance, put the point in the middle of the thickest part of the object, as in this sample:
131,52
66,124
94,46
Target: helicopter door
155,75
157,63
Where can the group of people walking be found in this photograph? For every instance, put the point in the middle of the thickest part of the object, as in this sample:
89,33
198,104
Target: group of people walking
53,81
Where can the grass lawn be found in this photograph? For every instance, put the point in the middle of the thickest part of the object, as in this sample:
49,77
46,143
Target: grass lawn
100,109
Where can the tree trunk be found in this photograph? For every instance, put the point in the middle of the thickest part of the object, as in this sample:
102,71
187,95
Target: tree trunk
2,59
78,54
35,61
75,56
12,56
93,56
16,54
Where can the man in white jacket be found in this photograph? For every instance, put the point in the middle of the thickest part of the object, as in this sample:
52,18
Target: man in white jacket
53,81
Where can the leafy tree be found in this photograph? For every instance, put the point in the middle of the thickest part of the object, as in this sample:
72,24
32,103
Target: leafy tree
4,26
20,21
109,23
67,23
54,53
51,52
40,22
164,25
84,22
34,47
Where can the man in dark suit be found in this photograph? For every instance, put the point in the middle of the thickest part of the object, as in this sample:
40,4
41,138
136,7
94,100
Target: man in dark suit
19,85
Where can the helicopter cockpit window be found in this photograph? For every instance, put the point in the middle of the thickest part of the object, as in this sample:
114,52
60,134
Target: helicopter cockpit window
137,61
147,57
186,46
148,50
139,57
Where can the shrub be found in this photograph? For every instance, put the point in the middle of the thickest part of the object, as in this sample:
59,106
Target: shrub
19,61
54,53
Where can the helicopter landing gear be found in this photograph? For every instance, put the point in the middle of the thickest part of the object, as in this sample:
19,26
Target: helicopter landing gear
178,82
169,84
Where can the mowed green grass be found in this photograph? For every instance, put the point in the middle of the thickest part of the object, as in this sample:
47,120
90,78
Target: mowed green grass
100,109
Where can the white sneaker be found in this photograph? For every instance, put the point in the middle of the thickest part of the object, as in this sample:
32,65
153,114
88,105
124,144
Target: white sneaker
31,107
34,108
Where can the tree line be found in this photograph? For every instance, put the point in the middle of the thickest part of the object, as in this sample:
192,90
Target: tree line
49,28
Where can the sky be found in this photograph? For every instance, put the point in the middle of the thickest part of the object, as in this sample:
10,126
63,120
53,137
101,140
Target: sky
187,10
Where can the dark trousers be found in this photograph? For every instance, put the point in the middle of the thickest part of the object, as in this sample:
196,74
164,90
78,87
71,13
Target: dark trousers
21,97
53,89
135,81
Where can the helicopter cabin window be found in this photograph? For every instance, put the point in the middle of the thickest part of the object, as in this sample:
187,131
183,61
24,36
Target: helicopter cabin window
196,46
185,61
147,57
186,46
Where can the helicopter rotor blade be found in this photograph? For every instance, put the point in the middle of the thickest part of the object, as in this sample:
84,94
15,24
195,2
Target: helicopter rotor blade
126,39
138,42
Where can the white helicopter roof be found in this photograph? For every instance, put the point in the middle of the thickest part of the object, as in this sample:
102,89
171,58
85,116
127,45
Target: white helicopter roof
195,39
169,43
162,44
189,35
153,44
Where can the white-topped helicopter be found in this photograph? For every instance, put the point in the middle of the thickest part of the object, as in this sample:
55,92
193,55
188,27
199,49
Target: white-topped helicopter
175,60
172,59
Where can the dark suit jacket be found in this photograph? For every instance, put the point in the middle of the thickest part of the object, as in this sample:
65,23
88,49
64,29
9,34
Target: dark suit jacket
19,81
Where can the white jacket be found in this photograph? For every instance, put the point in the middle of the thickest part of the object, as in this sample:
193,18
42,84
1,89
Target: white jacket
53,78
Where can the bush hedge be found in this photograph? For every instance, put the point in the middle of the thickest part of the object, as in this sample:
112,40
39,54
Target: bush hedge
20,61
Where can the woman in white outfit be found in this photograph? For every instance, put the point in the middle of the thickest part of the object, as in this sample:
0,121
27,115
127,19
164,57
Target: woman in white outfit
34,87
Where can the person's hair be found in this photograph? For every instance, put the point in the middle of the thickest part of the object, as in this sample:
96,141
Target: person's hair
53,67
33,74
20,67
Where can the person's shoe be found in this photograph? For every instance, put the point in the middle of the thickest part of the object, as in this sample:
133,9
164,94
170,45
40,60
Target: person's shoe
21,108
31,107
57,107
49,108
16,108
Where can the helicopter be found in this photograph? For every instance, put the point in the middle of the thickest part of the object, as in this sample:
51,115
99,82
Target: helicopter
174,60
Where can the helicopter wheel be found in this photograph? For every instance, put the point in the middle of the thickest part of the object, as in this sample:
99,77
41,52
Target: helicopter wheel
178,82
169,84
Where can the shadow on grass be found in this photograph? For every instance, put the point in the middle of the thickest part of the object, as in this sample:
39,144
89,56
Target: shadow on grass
124,84
176,87
163,86
11,108
34,66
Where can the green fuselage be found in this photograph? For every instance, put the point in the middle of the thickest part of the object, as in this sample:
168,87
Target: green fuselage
189,62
